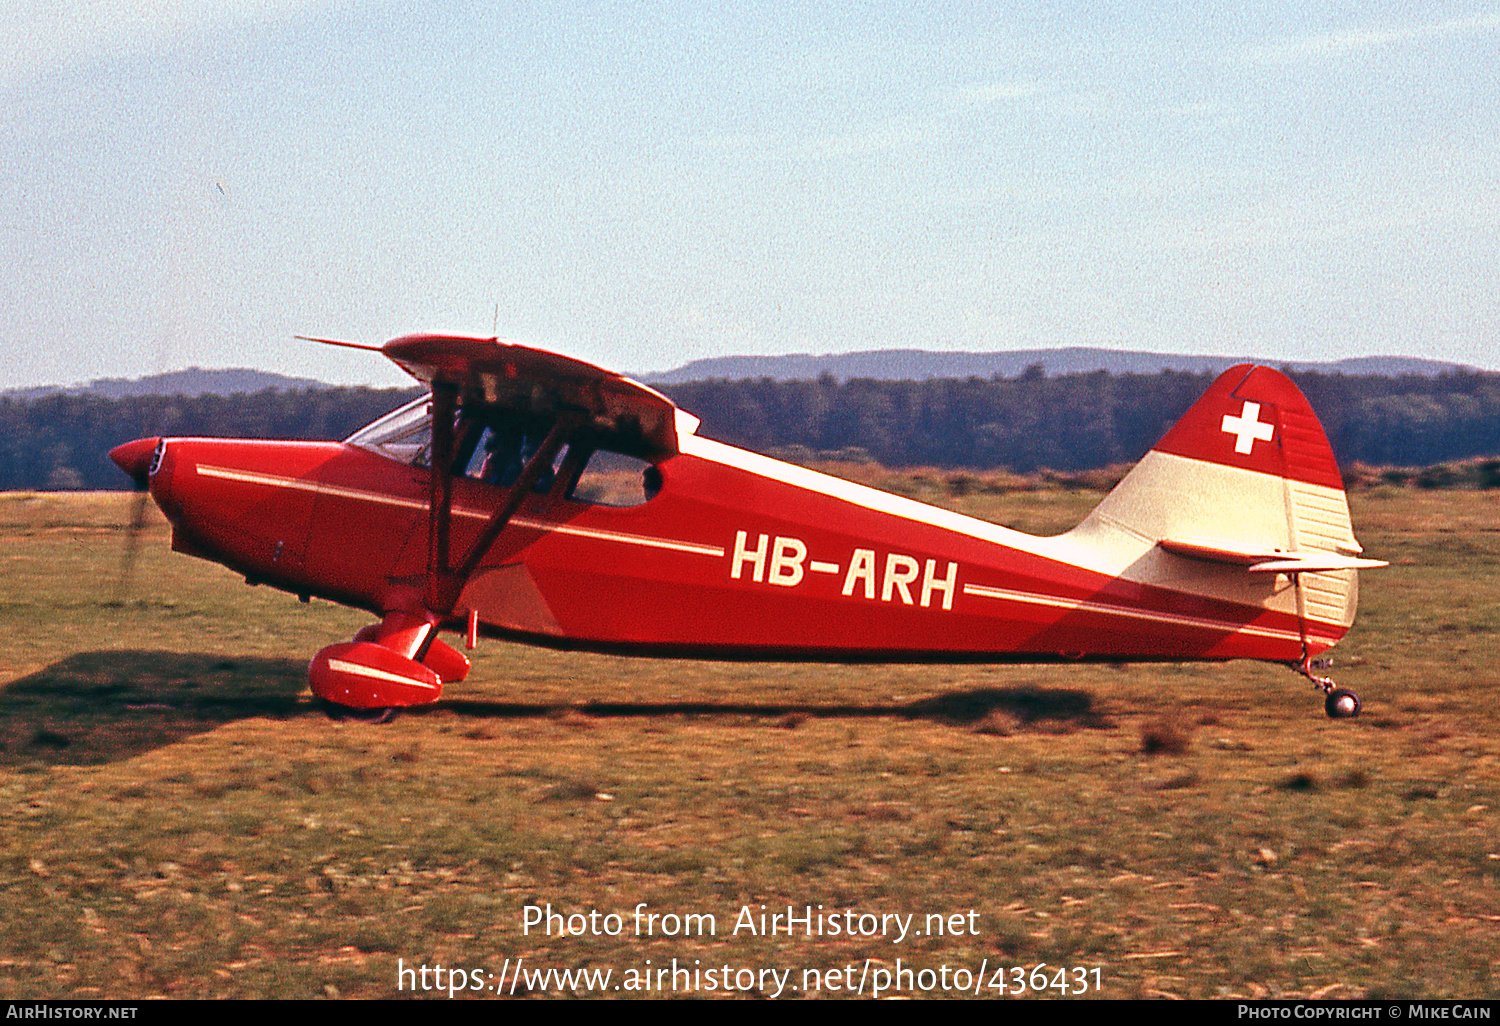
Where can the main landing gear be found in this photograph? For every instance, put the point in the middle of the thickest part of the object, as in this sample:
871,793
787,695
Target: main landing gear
1339,703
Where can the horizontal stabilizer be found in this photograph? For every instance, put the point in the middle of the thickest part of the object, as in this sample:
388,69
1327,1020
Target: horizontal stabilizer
1262,560
1314,562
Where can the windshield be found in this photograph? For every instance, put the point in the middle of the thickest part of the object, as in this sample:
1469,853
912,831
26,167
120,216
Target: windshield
402,434
493,445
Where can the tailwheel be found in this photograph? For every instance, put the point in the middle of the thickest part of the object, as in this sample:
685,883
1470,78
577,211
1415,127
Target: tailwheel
380,714
1341,704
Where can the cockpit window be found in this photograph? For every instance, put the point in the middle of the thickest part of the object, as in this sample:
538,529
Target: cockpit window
497,452
494,445
612,479
402,434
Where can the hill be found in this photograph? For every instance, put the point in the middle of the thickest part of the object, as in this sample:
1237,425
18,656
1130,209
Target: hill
922,365
878,364
194,381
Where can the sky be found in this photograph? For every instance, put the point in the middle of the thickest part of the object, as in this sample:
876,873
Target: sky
196,182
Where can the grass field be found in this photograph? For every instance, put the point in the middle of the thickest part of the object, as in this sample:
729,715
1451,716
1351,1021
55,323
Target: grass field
178,819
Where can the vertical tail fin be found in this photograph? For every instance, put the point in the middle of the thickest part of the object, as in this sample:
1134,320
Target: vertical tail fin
1243,489
1256,419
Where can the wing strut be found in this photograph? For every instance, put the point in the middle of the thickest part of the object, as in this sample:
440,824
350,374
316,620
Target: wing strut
540,461
440,492
445,582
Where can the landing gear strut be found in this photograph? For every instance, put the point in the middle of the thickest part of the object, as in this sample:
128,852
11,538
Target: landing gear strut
1339,703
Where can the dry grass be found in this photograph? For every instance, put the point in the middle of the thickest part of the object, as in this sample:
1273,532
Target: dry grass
1166,735
178,819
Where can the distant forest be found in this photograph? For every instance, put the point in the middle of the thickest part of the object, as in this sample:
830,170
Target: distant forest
1068,422
62,442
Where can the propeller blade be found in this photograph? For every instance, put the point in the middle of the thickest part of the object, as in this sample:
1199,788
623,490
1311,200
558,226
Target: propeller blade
132,544
135,458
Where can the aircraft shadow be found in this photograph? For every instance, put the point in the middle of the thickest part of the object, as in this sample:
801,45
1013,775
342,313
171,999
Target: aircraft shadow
98,707
95,707
1027,705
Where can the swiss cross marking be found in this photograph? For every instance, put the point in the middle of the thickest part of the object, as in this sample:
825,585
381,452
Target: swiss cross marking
1247,428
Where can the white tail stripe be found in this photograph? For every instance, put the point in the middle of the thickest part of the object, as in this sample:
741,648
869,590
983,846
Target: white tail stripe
361,670
250,477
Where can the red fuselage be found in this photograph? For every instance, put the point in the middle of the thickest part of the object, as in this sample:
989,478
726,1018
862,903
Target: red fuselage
737,556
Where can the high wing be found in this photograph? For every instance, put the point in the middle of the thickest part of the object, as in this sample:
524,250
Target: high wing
505,375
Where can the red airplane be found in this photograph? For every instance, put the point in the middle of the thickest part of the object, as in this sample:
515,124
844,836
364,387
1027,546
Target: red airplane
543,499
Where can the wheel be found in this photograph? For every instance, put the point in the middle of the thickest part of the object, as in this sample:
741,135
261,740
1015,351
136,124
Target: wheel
1341,704
335,711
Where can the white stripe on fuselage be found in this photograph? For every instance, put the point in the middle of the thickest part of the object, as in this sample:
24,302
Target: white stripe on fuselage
862,495
384,499
1176,487
1119,551
1062,547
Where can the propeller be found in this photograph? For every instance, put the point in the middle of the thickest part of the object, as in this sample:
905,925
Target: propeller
137,459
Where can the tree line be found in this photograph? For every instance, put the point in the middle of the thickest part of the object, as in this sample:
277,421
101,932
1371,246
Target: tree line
1067,422
62,442
1077,422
